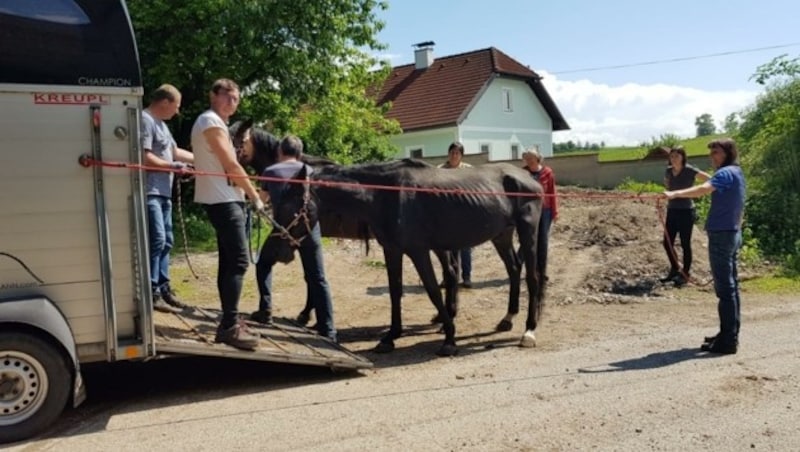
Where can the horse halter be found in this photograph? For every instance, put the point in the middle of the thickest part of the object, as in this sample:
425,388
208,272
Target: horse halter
300,217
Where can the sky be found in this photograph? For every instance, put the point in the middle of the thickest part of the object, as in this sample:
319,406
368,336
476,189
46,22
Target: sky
564,40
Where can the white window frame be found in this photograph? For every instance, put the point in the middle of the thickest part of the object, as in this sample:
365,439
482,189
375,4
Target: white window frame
488,147
508,105
515,154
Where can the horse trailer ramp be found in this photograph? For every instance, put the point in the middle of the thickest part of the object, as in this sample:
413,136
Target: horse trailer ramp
192,331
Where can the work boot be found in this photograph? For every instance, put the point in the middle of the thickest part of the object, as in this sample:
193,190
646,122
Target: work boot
262,316
467,284
162,306
237,336
670,276
169,296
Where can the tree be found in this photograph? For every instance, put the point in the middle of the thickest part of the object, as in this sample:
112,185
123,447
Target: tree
769,137
731,124
297,63
705,125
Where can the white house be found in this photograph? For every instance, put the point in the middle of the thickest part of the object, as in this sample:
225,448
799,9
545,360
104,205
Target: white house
485,99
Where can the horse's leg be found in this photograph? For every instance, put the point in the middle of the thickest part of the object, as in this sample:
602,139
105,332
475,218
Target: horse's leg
424,266
449,261
394,270
528,230
504,244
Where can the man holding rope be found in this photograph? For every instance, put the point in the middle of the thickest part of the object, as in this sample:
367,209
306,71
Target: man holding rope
224,202
161,151
724,228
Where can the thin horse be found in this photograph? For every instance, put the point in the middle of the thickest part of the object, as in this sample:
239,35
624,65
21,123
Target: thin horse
430,214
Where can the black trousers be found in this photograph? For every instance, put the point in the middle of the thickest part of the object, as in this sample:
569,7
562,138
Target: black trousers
680,223
228,220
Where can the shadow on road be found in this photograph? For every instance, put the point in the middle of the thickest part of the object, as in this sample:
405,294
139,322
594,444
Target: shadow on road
126,387
651,361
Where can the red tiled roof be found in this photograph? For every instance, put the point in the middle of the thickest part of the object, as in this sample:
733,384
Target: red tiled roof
441,94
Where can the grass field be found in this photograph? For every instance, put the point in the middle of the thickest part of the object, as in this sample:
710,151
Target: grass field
693,146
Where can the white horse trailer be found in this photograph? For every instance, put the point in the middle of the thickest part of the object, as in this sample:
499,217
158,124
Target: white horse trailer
74,285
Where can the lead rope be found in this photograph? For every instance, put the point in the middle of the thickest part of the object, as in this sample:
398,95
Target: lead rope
182,221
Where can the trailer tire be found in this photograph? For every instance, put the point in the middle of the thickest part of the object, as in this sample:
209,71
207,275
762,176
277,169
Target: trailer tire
35,384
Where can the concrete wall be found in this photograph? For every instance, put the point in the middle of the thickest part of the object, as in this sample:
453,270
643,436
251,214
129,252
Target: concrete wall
585,170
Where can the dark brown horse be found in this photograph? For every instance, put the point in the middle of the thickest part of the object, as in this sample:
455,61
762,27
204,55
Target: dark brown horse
416,221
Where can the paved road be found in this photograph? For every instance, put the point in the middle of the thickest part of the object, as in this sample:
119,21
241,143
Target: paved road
628,389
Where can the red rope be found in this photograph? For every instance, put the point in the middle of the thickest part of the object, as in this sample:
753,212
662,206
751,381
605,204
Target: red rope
455,191
88,161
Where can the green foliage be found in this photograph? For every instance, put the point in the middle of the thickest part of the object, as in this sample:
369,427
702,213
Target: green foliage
693,146
769,140
631,185
774,284
289,58
200,234
731,124
705,125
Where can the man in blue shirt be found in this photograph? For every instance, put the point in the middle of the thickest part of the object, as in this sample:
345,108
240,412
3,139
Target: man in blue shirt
161,151
724,228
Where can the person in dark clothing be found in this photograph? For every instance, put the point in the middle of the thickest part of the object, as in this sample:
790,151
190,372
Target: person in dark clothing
290,151
681,214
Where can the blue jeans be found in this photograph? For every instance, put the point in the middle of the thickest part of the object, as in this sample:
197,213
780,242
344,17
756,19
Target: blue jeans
229,225
159,226
318,290
466,264
723,250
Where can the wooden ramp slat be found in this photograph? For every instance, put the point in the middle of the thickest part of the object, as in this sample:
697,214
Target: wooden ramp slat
192,332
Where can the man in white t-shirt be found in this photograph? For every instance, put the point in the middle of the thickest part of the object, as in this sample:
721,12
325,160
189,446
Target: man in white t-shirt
222,191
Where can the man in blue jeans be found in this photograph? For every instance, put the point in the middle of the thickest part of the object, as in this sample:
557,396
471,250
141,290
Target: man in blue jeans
290,151
161,151
724,228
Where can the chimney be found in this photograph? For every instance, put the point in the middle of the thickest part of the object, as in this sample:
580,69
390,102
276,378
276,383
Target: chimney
423,54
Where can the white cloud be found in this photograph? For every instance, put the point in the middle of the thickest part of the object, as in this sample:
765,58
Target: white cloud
630,114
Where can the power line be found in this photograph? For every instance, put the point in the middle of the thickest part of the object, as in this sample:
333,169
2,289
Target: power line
674,60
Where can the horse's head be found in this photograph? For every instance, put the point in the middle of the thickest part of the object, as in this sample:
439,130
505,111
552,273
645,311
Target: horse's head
255,147
294,217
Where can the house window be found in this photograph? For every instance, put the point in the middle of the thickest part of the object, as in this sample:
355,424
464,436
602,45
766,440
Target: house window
515,151
415,153
485,148
507,106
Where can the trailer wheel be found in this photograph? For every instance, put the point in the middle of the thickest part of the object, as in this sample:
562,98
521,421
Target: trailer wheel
35,384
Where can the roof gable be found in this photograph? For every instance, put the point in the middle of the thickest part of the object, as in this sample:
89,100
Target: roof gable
438,95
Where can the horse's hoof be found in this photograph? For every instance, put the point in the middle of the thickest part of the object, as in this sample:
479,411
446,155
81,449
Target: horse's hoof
505,325
447,350
528,340
384,347
303,318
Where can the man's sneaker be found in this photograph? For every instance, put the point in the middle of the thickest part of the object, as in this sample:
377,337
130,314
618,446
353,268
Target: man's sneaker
236,336
169,297
679,280
162,306
262,316
721,347
467,284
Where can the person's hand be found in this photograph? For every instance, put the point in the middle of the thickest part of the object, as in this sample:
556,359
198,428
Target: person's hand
180,167
258,205
669,194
